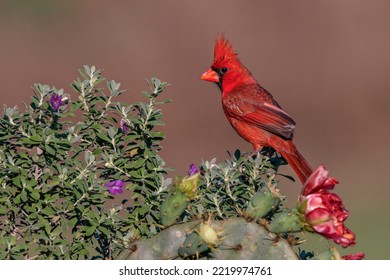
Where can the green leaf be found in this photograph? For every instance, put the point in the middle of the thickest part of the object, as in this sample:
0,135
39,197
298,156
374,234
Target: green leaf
104,231
57,231
23,196
31,183
144,209
53,183
72,222
50,149
97,152
17,199
90,231
103,137
48,211
16,181
19,249
35,138
35,195
135,164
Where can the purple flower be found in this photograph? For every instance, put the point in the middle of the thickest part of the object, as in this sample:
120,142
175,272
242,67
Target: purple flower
115,186
124,126
56,101
193,170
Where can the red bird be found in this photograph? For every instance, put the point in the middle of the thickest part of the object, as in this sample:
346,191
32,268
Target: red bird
251,109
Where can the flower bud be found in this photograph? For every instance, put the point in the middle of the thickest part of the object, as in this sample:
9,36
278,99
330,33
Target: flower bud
208,233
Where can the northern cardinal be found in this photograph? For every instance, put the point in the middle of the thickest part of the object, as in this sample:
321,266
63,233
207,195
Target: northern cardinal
251,109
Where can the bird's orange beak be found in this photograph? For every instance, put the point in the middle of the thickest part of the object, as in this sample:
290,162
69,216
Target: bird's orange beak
211,76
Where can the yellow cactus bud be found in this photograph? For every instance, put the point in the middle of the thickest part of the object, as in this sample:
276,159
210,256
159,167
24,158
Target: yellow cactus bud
189,185
208,234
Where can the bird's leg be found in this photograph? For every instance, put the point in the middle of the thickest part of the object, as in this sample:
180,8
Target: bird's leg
268,152
265,151
274,156
256,151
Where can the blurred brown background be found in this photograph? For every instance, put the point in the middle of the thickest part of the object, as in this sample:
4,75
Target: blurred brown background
326,62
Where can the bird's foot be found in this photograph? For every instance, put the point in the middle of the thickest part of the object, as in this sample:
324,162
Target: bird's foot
274,157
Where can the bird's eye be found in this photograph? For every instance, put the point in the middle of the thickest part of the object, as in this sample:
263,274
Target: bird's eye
224,70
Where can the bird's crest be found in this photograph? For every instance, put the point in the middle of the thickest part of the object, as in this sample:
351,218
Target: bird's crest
223,51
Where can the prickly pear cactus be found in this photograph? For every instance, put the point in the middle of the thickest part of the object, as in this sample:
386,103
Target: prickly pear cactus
172,207
286,221
237,239
263,202
178,198
231,210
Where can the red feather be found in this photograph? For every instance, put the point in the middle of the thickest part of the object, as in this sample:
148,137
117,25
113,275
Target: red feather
223,51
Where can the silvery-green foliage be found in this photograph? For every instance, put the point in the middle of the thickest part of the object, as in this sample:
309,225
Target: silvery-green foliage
54,164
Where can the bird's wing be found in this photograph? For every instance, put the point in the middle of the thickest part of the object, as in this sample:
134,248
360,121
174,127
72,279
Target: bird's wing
264,115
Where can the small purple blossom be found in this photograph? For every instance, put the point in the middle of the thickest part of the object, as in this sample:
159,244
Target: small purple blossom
124,126
115,186
193,170
56,101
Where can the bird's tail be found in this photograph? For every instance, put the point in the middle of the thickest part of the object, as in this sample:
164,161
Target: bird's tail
297,161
